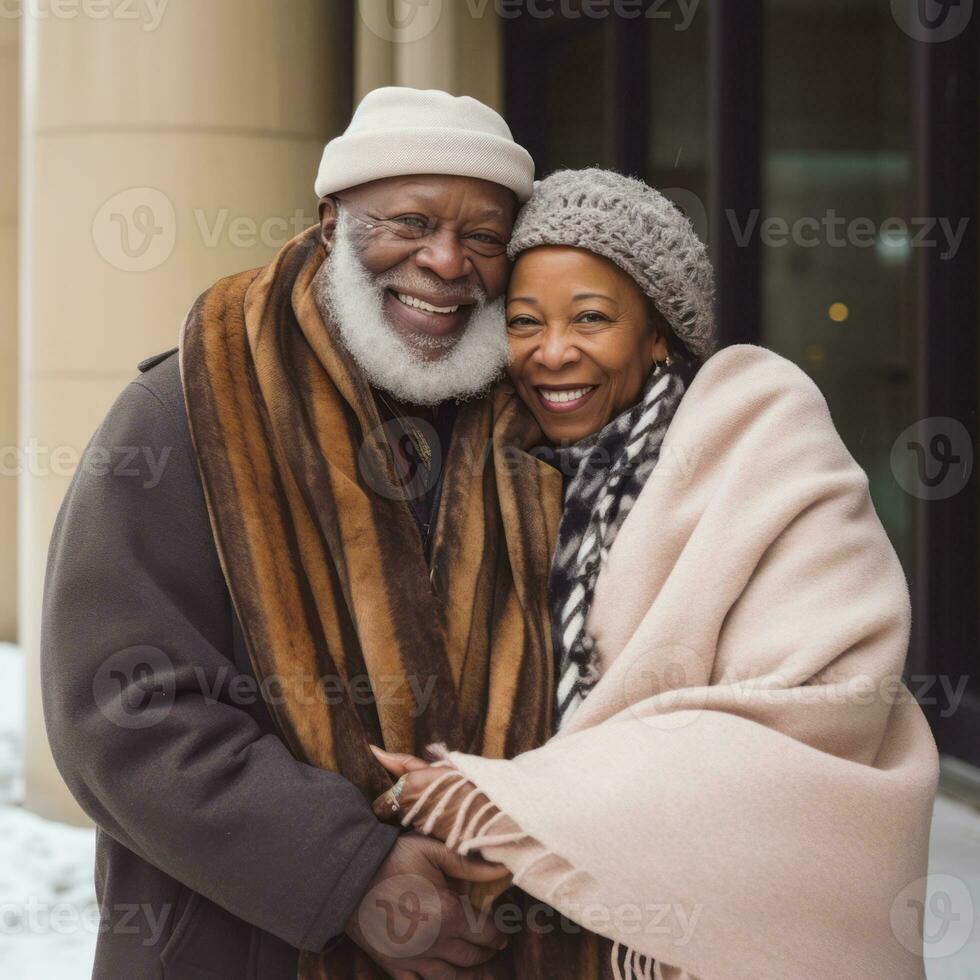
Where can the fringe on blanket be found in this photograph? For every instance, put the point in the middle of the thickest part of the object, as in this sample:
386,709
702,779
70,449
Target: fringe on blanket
470,833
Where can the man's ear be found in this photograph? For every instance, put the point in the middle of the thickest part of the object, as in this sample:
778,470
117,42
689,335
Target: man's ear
328,221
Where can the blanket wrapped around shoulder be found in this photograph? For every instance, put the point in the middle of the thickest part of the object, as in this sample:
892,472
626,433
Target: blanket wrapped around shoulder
747,791
352,634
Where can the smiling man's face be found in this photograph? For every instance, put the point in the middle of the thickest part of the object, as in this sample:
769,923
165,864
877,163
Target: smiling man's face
435,244
414,283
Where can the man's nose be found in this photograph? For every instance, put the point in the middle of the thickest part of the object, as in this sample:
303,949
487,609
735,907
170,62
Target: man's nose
444,255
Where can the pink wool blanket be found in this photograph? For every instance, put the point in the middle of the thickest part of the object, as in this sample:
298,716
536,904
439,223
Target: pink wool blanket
747,792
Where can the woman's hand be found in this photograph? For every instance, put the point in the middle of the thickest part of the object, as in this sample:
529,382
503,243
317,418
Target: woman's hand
419,775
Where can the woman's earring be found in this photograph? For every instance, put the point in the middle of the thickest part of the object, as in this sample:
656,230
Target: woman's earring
668,361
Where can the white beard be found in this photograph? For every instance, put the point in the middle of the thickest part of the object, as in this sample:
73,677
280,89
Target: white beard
353,299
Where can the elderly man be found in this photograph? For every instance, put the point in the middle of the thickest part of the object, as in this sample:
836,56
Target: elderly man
333,557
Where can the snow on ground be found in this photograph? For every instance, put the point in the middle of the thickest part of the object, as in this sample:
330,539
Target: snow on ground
48,914
49,917
11,722
952,913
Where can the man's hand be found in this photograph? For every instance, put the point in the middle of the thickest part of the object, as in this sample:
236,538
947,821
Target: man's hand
415,919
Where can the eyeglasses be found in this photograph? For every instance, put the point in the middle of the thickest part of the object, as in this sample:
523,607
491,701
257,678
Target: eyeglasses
421,228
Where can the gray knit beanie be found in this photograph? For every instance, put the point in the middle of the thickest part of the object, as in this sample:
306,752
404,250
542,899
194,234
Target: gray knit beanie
635,226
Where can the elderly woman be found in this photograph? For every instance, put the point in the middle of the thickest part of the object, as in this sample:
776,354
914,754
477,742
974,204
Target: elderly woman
739,784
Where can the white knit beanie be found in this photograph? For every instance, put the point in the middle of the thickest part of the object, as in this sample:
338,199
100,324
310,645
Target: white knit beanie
396,132
635,226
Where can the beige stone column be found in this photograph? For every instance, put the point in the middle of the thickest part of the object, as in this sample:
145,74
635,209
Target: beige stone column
374,54
480,56
448,44
168,143
9,150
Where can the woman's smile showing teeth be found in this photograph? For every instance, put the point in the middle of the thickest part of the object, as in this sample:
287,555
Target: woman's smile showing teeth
565,399
420,304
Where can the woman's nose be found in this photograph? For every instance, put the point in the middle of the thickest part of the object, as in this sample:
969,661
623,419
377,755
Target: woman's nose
556,350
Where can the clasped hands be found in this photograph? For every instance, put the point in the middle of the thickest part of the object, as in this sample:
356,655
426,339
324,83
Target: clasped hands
463,887
438,815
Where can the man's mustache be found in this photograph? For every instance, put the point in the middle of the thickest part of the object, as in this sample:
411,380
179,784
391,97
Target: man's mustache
469,294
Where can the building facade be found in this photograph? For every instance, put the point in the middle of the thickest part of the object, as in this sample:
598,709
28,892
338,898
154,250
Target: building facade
826,149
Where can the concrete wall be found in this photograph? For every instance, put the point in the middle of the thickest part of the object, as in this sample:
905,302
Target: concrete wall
155,156
9,455
444,46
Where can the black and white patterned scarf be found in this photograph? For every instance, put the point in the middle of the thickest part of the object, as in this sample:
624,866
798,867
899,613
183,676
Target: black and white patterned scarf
607,471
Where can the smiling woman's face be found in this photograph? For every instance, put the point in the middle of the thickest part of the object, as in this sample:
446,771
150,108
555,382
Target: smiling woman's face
582,337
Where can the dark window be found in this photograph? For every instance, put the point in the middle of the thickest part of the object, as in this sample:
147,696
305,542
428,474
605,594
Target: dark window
827,120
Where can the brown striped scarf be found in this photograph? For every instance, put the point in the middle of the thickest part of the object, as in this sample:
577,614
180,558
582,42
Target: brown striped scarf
328,575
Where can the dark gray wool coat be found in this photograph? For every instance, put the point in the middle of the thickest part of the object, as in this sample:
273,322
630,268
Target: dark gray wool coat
219,855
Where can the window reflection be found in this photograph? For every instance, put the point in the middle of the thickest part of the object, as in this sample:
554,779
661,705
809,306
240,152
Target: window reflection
839,290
